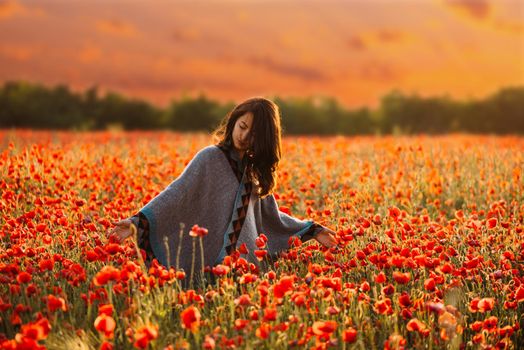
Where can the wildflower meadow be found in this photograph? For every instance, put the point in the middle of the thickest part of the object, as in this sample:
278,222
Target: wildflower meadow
430,255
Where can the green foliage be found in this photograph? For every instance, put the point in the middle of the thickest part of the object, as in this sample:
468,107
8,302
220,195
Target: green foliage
25,105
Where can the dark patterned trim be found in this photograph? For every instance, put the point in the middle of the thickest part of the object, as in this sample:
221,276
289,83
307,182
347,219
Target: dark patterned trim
142,224
312,232
243,206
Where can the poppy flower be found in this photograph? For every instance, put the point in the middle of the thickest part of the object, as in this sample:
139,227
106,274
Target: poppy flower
283,286
190,319
383,306
209,343
220,270
38,330
23,277
243,249
519,294
401,277
349,335
263,331
429,284
415,325
197,231
105,325
56,303
144,335
270,314
260,254
323,328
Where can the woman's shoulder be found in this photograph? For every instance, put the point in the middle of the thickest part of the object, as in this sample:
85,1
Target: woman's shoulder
208,153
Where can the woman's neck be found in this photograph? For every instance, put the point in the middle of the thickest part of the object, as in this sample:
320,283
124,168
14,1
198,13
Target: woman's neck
239,153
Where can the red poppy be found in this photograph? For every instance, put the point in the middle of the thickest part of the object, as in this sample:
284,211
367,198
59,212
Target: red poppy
243,249
23,277
401,277
56,303
415,325
323,328
349,335
105,310
383,306
284,285
429,284
491,223
108,273
270,314
260,242
38,330
190,318
404,300
260,254
106,325
197,231
284,210
209,343
380,278
240,324
144,335
519,294
220,270
263,331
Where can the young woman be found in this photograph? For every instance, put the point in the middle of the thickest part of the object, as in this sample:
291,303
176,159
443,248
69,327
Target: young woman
227,189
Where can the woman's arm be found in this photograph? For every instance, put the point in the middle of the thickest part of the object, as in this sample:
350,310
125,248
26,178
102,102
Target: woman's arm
322,234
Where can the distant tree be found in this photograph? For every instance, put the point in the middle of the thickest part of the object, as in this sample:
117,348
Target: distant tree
194,114
26,105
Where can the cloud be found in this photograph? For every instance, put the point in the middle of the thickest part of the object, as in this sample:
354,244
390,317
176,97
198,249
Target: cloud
90,53
18,52
357,42
378,72
304,73
392,36
186,35
385,36
116,27
476,9
485,13
12,8
509,26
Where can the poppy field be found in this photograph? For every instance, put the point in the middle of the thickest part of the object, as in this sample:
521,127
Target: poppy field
430,255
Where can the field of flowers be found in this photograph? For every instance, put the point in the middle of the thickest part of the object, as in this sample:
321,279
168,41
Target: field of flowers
431,230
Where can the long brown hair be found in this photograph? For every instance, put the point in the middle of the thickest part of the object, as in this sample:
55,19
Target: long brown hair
265,151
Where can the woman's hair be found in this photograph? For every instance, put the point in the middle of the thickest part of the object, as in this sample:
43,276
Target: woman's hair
264,153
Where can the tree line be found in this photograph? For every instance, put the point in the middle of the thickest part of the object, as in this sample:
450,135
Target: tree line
28,105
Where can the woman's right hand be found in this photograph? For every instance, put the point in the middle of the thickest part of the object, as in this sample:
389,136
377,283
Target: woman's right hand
122,230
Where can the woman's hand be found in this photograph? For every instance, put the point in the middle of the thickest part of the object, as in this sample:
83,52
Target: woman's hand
122,230
327,238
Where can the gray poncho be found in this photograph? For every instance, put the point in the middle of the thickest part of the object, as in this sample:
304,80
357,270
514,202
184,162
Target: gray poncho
207,194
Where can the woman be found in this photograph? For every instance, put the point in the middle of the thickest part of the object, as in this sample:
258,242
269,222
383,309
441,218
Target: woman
227,189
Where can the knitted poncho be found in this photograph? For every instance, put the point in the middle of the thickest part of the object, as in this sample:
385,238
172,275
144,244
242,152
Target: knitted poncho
209,193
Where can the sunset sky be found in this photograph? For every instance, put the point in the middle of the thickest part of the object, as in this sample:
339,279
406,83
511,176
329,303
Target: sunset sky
353,50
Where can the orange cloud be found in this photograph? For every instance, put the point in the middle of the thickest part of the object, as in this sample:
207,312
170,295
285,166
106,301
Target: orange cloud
186,35
116,27
11,8
367,40
305,73
357,42
17,52
90,53
477,9
376,71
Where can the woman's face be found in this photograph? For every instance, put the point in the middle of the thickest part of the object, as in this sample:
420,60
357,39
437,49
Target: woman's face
242,138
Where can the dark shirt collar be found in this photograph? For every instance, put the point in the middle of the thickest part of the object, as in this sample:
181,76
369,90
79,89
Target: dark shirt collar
234,155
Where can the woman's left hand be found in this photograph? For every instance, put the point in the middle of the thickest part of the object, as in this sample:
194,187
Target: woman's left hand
327,238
